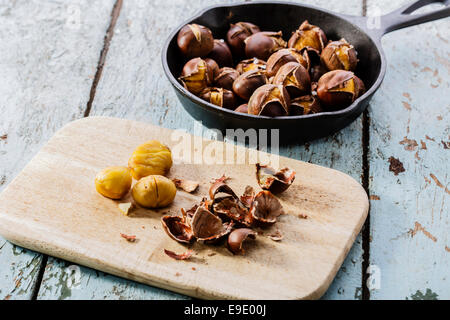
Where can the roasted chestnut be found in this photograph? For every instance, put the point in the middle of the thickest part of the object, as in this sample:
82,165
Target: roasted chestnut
250,64
225,77
269,100
195,40
316,71
237,237
262,44
276,181
305,105
339,88
243,108
212,66
221,53
196,75
237,34
339,55
283,56
220,97
266,208
308,35
248,82
295,78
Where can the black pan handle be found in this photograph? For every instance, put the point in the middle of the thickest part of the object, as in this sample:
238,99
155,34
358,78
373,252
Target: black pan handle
401,18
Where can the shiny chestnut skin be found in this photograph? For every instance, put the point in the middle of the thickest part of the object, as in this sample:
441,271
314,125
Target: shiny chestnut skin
308,104
221,53
248,82
339,88
308,35
262,44
269,100
243,108
339,55
220,97
213,66
196,75
295,78
236,35
225,78
250,64
283,56
195,40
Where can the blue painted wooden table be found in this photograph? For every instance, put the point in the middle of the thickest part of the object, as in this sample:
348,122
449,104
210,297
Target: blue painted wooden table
63,60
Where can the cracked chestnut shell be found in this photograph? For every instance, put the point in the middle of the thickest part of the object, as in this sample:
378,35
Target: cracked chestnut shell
225,78
269,100
236,35
339,55
276,181
243,108
339,88
237,238
295,78
177,228
283,56
220,97
208,227
262,44
213,67
248,82
266,208
308,35
195,40
196,75
221,53
250,64
305,105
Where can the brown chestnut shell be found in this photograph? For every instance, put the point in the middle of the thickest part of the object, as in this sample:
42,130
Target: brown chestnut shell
208,227
308,104
339,55
262,44
269,100
237,238
221,53
250,64
196,75
248,82
236,35
243,108
295,78
220,97
177,228
266,208
276,181
308,35
195,40
283,56
225,78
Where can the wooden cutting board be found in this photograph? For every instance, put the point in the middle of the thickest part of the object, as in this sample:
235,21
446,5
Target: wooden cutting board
52,207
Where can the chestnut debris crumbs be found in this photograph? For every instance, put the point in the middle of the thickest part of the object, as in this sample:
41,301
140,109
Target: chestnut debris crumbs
195,40
186,185
275,181
269,100
220,97
262,44
237,238
182,256
126,207
295,78
238,33
221,53
308,35
128,238
276,236
250,64
339,55
248,82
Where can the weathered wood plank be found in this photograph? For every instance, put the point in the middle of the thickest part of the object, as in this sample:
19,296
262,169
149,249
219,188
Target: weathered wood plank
409,121
133,86
50,52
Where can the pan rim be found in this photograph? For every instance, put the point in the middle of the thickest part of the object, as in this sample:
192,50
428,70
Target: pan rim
283,119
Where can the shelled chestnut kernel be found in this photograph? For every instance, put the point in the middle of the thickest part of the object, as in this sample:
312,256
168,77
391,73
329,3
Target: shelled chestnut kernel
272,77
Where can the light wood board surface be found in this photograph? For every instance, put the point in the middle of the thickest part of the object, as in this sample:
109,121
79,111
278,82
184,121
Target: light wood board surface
52,206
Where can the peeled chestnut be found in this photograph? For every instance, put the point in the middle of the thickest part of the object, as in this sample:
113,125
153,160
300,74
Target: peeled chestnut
221,53
243,108
304,105
308,35
295,78
283,56
220,97
262,44
225,77
250,64
248,82
196,75
339,88
339,55
238,33
195,40
269,100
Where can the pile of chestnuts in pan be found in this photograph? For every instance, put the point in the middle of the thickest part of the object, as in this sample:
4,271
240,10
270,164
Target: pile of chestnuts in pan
307,74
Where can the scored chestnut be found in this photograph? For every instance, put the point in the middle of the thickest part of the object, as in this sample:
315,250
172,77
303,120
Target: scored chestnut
295,78
221,53
308,104
262,44
283,56
213,66
220,97
243,108
248,82
339,88
339,55
250,64
308,35
225,77
237,34
196,75
269,100
195,40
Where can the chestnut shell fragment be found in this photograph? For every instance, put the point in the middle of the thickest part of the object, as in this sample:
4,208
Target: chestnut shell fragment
231,208
237,238
266,208
208,227
177,228
275,181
